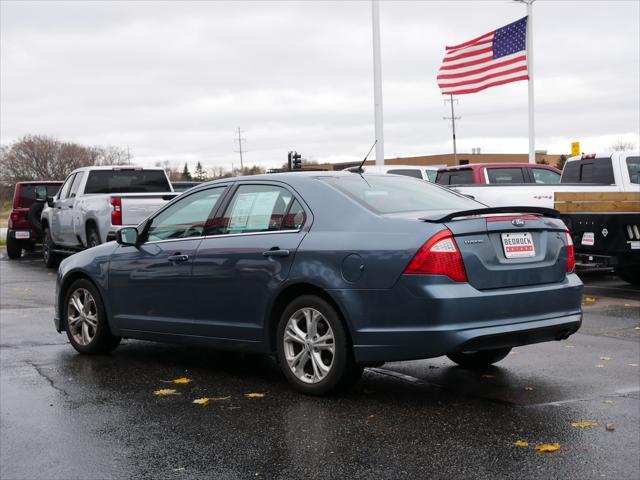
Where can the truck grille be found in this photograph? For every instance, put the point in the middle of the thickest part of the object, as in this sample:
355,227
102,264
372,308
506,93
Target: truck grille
633,233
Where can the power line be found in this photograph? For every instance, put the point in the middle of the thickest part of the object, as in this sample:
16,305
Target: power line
240,139
453,119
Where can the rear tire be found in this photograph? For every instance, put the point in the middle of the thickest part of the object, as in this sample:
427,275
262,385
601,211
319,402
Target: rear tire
86,321
479,359
629,274
51,259
93,239
14,248
311,331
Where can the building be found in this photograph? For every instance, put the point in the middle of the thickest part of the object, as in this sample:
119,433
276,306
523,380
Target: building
448,159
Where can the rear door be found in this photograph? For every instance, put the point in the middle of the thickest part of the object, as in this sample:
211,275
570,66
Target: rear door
239,267
511,250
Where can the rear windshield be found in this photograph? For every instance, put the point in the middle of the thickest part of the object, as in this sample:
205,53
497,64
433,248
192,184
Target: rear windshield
596,170
397,194
407,172
127,181
30,193
633,165
455,177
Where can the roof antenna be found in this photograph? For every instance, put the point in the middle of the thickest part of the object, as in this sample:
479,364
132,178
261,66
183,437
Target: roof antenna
365,157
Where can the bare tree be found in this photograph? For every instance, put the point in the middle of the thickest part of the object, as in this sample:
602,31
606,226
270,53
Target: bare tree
622,146
173,173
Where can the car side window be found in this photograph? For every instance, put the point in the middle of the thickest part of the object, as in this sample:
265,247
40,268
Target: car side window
295,217
75,185
505,175
64,190
542,175
187,217
257,208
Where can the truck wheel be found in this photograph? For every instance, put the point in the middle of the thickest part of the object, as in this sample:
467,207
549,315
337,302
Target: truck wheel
51,259
14,248
93,239
479,359
629,274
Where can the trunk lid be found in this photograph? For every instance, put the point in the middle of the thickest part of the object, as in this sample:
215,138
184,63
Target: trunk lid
510,250
136,208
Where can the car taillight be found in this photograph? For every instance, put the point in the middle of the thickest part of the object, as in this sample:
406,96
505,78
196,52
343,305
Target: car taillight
571,253
116,213
439,256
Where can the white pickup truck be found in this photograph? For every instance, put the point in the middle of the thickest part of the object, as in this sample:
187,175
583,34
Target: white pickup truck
604,172
95,202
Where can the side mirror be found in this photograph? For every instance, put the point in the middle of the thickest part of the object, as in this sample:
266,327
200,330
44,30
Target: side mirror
127,236
50,202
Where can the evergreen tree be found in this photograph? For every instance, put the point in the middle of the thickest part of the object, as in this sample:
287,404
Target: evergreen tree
200,174
186,174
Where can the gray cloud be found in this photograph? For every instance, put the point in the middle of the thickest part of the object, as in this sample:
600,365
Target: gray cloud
174,79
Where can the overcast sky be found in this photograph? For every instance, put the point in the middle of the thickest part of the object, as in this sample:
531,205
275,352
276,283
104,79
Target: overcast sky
173,80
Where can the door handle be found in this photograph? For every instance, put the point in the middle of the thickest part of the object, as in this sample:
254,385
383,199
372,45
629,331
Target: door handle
178,258
275,252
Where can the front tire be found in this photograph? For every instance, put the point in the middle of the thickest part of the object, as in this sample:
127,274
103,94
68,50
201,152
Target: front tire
14,248
479,359
51,259
313,348
86,321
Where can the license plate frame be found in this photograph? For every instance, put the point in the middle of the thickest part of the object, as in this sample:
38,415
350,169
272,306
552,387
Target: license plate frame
518,245
22,235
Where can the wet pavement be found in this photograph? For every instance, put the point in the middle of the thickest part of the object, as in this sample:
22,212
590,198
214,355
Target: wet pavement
67,416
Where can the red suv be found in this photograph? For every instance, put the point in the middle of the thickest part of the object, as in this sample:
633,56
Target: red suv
24,222
498,173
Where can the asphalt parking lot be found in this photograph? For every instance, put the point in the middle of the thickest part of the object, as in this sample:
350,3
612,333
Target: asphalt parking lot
67,416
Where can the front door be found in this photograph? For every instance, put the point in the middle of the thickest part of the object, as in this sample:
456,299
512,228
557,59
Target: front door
239,267
61,213
151,286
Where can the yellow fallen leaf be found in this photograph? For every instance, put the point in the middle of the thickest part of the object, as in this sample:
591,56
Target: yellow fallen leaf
605,358
583,424
178,381
600,365
528,389
165,391
589,299
610,402
201,401
255,395
632,364
637,328
29,289
547,447
521,443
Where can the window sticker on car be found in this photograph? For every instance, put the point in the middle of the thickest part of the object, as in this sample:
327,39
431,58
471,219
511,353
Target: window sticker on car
252,210
588,238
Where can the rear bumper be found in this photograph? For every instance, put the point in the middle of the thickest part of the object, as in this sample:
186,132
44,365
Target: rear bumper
15,233
430,316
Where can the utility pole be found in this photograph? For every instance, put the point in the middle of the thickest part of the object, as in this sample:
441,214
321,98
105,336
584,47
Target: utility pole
240,140
453,119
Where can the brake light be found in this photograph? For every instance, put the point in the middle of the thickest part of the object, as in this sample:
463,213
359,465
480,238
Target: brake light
439,256
116,213
571,253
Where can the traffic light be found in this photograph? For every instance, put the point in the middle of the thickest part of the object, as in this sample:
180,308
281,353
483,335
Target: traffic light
294,160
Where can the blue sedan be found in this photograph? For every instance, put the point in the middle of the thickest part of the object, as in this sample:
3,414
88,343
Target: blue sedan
329,271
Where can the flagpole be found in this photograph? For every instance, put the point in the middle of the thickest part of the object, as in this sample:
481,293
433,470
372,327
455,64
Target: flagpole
377,82
532,127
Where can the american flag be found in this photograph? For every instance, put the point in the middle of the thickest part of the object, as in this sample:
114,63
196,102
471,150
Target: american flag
492,59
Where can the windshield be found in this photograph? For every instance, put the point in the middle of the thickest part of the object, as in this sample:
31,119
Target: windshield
127,181
397,194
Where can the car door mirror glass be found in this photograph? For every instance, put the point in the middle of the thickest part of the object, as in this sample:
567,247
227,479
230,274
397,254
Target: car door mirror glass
127,236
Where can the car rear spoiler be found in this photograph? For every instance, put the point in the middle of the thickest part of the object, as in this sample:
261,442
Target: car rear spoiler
439,218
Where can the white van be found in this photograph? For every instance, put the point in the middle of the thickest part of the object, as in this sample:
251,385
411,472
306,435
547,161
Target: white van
424,172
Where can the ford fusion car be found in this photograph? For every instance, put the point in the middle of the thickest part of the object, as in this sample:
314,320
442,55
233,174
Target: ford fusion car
330,272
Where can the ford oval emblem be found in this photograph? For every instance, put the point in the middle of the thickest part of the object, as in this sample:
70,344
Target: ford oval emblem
517,222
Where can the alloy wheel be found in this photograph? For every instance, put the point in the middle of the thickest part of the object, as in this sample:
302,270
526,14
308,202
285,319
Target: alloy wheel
309,345
82,316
